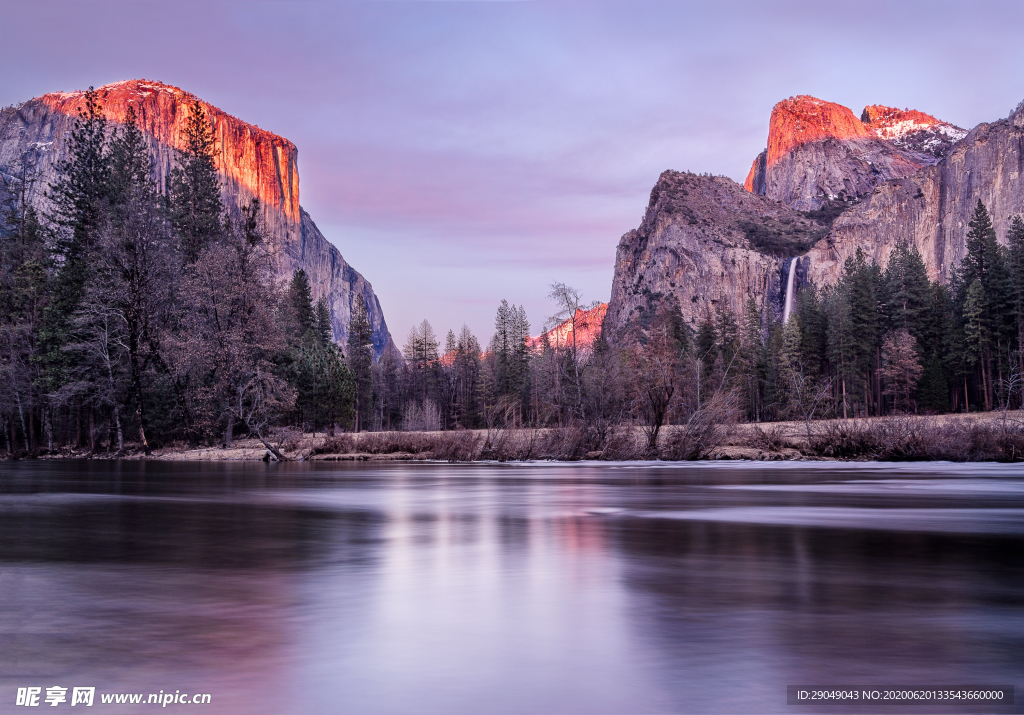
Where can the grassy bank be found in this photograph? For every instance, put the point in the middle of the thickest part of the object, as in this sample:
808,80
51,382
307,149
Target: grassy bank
959,438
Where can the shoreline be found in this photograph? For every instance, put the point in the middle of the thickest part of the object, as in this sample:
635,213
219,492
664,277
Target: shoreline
975,437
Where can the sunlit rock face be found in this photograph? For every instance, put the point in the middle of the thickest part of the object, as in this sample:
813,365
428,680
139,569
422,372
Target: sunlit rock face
912,130
820,151
586,324
253,162
932,208
707,244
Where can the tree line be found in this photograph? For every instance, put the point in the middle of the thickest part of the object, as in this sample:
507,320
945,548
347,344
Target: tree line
135,315
879,341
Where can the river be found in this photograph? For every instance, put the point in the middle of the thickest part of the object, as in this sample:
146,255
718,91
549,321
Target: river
394,588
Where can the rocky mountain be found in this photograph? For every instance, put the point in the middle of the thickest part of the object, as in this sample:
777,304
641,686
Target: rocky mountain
706,242
932,207
819,151
252,162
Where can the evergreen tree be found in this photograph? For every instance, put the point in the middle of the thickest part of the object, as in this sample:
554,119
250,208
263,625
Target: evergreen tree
420,352
752,364
985,262
982,250
467,368
360,362
24,297
196,211
1015,239
727,338
813,330
322,322
79,199
937,331
841,345
860,286
907,290
675,326
707,341
977,337
300,298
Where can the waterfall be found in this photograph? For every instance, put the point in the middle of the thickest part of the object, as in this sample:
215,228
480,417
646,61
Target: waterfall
788,307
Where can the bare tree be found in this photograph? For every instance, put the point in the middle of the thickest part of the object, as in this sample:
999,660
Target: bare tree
901,368
571,309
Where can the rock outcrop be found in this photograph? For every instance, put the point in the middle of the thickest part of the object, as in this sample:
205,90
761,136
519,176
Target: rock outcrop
705,242
819,151
931,209
912,130
586,324
252,162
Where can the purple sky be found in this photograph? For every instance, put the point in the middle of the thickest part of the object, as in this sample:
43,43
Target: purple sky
459,153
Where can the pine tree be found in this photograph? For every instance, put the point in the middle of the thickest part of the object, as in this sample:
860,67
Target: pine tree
675,325
79,196
79,200
502,348
727,338
360,361
24,296
707,341
908,290
467,368
976,331
322,322
841,345
981,249
300,298
196,211
937,332
985,262
751,368
813,330
420,352
861,287
1015,239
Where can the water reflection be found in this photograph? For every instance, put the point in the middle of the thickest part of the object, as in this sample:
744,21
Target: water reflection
311,588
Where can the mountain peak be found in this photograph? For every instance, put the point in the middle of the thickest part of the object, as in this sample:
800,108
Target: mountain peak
263,162
820,151
803,119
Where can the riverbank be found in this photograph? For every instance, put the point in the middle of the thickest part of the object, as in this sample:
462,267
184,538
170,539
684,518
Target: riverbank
994,436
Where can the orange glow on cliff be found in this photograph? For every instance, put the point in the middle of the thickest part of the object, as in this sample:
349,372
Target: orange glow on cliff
588,329
259,160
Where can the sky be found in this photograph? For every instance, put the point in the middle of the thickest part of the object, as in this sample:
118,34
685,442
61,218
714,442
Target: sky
461,153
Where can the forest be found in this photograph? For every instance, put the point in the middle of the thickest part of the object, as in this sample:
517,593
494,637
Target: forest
134,317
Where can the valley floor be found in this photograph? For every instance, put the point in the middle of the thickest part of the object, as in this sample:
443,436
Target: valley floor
992,436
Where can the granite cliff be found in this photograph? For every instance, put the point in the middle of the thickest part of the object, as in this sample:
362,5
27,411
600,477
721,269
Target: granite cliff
252,162
932,207
819,151
707,243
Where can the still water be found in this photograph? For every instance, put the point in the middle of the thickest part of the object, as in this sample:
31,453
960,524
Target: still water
536,588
